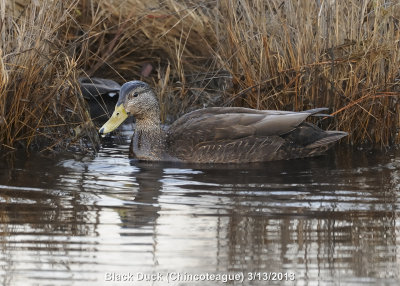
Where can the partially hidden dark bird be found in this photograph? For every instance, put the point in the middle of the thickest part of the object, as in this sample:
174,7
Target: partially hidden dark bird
100,95
217,134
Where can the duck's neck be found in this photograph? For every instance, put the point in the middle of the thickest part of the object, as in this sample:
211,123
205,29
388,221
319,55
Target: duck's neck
148,139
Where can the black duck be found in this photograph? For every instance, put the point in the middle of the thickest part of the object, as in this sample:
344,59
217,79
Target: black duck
100,94
217,134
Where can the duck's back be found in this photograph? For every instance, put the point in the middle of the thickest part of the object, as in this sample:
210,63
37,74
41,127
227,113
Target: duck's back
239,135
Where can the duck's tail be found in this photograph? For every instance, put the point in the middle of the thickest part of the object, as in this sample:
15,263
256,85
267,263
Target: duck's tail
308,140
329,138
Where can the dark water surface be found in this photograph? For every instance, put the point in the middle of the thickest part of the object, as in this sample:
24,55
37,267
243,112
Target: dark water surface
332,220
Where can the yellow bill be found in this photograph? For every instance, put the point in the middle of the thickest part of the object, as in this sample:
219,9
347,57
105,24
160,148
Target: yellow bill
119,115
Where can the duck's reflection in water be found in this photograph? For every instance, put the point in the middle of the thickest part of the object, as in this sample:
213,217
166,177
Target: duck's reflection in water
327,218
317,218
144,208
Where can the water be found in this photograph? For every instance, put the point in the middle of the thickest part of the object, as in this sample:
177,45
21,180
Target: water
332,220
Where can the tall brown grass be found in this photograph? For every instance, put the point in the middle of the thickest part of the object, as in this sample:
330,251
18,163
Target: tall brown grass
40,103
290,55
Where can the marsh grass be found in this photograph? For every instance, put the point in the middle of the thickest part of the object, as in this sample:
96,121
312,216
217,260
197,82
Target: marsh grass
39,98
291,55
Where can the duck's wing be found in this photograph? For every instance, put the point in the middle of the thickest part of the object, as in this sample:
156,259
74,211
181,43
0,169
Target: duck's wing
234,122
231,130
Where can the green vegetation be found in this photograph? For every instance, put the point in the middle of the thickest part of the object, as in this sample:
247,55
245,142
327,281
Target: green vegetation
290,55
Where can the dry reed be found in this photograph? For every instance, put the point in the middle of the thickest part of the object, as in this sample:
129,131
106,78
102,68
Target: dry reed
290,55
40,102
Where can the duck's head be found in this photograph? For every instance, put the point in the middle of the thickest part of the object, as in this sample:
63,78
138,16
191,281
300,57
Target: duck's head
136,98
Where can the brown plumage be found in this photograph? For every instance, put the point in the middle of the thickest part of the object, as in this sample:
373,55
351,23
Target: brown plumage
218,134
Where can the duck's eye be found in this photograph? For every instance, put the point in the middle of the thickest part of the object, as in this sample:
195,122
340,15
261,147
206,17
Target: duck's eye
132,95
117,113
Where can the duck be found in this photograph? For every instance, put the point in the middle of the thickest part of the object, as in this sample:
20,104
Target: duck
217,134
100,95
